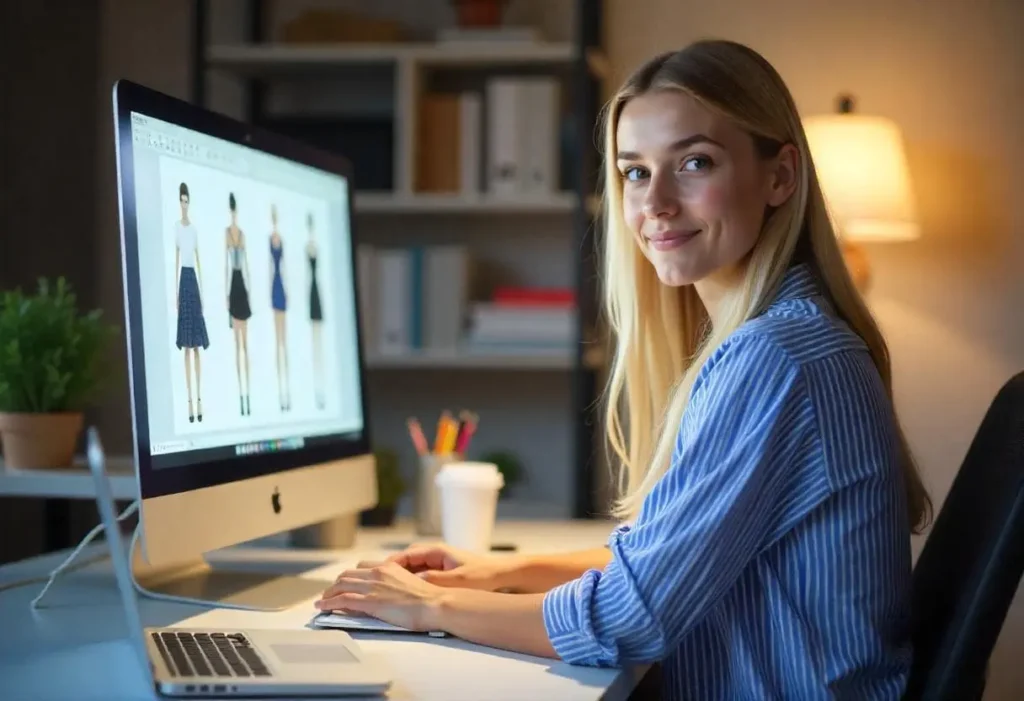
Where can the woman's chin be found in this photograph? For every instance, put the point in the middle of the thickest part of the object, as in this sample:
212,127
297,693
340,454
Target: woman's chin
673,274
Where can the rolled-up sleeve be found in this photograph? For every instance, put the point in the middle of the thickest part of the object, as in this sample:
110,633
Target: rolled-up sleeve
704,521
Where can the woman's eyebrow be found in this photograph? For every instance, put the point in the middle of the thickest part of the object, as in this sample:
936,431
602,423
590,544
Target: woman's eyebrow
676,146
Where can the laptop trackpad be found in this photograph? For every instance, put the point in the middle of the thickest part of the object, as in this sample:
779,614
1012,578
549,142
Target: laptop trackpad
311,653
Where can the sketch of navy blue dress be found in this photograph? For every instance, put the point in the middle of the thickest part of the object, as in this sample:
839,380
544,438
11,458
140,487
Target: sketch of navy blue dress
279,303
277,296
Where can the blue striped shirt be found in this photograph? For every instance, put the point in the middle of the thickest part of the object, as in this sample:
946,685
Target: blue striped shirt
772,561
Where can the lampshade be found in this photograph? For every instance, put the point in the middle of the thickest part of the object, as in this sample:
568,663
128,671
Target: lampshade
862,168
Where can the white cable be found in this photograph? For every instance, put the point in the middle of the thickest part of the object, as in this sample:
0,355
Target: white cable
180,599
66,565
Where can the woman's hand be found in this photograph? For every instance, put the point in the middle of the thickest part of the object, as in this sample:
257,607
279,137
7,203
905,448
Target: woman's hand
449,567
388,592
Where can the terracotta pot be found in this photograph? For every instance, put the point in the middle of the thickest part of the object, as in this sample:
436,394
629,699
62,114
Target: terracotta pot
39,441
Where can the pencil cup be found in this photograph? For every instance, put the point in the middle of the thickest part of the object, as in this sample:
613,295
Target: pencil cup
469,504
428,500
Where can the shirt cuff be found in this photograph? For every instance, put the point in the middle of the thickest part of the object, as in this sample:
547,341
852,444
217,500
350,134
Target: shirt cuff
566,610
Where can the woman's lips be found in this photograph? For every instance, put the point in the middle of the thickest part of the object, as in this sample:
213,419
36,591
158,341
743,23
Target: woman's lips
669,240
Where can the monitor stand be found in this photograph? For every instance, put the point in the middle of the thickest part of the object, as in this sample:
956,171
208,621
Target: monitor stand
222,586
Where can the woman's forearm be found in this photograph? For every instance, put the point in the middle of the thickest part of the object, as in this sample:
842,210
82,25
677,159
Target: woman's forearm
508,621
541,573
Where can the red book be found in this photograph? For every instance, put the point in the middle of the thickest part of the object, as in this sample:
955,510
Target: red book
535,296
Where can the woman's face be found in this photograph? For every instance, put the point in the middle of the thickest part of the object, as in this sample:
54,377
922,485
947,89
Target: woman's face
694,189
183,201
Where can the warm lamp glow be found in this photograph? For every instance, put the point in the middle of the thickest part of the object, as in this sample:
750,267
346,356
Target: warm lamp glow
862,169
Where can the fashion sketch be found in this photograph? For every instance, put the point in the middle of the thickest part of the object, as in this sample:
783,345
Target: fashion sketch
316,315
188,303
279,303
236,281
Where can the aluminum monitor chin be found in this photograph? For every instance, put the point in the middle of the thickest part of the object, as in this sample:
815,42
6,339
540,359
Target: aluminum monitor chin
247,382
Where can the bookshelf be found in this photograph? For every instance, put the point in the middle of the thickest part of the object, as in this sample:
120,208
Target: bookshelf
254,60
423,203
362,99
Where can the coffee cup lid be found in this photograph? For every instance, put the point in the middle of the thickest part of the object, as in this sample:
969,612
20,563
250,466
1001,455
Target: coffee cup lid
481,474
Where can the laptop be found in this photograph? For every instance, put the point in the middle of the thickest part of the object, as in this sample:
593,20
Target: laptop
185,662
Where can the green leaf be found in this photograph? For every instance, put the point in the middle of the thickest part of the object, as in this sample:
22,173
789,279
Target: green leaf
49,357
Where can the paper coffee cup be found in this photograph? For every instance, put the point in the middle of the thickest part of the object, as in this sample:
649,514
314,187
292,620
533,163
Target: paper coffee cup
469,503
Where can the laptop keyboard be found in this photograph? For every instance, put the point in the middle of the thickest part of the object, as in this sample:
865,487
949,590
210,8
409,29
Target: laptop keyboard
209,654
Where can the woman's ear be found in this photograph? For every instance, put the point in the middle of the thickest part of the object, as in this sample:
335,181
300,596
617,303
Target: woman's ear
784,174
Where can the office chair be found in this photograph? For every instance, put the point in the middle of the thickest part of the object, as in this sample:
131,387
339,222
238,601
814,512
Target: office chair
972,562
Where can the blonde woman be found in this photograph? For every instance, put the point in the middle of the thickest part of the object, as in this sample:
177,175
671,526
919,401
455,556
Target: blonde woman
768,492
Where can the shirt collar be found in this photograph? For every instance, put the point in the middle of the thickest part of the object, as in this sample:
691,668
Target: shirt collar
799,282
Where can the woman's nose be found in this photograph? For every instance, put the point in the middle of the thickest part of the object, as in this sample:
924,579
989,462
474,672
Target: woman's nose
660,200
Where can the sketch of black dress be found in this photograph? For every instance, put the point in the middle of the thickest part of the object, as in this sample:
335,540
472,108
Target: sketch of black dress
316,312
238,295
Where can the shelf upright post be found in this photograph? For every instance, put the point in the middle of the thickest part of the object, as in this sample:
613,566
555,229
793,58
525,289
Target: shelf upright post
199,30
255,88
586,97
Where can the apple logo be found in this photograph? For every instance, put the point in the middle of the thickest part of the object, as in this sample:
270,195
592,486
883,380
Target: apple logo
275,501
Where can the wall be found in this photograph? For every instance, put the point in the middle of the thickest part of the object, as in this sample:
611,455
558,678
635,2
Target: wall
950,303
47,186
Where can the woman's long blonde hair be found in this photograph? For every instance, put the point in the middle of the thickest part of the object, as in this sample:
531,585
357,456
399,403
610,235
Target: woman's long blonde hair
662,334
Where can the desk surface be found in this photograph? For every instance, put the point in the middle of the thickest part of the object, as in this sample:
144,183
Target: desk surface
77,646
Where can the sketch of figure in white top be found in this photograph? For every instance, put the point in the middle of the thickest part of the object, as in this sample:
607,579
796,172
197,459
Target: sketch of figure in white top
191,332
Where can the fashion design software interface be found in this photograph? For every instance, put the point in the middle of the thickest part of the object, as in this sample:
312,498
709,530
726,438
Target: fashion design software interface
248,313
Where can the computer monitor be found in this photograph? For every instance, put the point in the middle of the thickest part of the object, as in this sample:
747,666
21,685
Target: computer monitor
248,397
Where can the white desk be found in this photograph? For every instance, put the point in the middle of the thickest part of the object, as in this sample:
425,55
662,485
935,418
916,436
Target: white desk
76,648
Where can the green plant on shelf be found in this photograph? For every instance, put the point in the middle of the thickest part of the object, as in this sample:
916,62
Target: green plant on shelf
509,465
50,352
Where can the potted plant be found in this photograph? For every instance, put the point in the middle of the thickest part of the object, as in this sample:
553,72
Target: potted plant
50,354
390,488
510,467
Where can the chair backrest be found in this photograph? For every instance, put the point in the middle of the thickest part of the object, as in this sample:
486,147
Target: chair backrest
972,562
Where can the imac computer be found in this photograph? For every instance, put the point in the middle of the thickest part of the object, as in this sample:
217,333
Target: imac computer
248,397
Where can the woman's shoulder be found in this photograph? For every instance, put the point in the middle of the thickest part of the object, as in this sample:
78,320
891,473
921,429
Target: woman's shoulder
805,330
777,347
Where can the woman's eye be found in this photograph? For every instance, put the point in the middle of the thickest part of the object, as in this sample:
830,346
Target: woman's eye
634,173
694,164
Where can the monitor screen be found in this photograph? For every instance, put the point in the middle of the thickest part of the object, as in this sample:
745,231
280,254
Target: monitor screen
246,300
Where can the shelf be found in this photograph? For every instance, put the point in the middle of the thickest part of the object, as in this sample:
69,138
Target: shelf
388,203
250,58
518,360
69,483
482,360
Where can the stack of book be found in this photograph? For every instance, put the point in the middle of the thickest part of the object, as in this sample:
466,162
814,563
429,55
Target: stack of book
523,320
416,298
